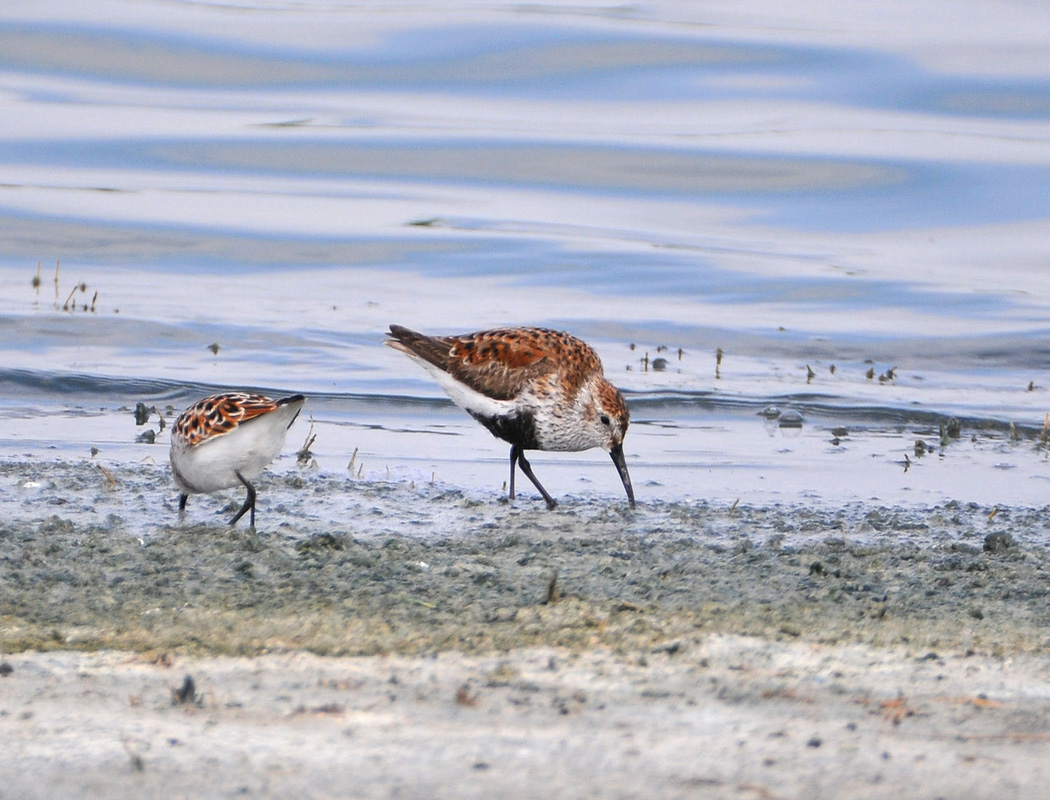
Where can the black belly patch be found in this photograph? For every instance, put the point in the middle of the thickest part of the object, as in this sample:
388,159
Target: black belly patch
519,429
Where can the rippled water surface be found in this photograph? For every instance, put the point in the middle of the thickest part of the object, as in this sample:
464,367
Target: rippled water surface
851,205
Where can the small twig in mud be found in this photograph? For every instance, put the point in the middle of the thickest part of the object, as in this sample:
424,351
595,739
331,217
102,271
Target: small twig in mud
553,594
304,455
80,287
897,710
109,476
752,788
353,460
326,708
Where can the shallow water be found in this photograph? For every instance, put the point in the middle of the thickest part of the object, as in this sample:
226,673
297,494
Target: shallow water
841,193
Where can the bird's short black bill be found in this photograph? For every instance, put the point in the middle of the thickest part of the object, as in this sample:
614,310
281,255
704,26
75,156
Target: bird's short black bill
621,467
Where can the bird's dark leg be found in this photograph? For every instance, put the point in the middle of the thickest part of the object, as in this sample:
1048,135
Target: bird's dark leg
249,502
527,469
182,503
513,463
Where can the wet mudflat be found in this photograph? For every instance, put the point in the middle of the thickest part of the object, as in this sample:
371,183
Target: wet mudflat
438,644
414,569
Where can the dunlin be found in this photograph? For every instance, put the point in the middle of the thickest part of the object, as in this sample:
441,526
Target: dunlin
535,388
226,440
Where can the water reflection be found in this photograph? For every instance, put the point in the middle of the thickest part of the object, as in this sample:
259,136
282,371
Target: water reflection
287,185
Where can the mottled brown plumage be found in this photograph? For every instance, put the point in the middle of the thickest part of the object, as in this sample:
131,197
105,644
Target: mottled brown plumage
220,414
536,388
226,440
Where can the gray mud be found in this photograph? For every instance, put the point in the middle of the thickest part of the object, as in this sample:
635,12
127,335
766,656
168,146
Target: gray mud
388,639
412,569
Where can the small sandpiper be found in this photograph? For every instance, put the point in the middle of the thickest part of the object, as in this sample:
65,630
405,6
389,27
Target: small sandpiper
226,440
535,388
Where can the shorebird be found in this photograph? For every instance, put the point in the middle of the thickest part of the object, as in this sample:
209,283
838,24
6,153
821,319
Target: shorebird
226,440
535,388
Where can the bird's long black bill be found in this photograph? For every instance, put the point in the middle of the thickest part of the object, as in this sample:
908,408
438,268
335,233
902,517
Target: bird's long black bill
621,467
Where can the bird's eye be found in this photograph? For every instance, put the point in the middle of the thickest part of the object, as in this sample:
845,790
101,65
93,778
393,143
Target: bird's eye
604,418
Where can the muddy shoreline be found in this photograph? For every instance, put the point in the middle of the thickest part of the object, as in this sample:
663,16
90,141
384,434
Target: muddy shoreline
436,644
481,576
